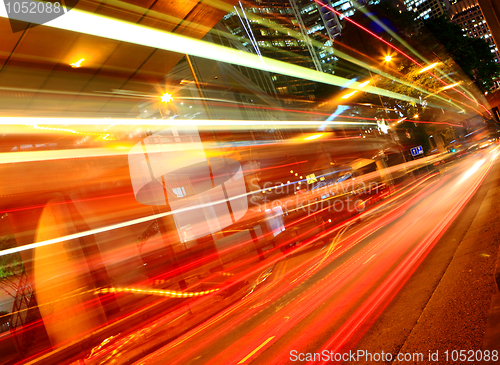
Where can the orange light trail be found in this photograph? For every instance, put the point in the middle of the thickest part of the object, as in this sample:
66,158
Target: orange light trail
401,52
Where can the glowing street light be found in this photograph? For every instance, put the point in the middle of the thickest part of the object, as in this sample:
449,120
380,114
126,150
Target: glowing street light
77,63
388,58
166,98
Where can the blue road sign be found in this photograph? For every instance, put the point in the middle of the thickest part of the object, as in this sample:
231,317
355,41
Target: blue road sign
415,151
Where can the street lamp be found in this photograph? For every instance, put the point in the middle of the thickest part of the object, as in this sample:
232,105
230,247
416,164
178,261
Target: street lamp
166,98
388,58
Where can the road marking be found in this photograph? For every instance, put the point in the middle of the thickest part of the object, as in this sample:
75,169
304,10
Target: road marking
369,258
257,349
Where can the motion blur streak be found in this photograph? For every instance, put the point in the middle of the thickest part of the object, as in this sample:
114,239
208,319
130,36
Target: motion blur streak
223,181
372,275
405,55
78,21
172,122
405,268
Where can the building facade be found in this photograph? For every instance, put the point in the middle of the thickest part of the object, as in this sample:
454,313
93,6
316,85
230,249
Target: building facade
469,16
490,10
300,32
427,9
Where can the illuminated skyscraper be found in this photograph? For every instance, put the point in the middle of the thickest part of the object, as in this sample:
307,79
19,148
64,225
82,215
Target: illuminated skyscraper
427,9
301,32
468,14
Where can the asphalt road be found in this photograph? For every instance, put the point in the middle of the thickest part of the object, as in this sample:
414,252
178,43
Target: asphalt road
410,279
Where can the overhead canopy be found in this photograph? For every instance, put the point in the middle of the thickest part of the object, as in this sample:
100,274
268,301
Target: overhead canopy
36,76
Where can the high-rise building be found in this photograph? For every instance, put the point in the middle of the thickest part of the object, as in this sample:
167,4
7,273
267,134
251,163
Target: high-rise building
301,32
491,13
427,9
468,14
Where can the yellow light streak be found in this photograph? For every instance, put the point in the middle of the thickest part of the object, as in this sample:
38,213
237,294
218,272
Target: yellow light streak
451,86
167,293
363,84
315,136
349,95
298,35
31,121
78,21
429,67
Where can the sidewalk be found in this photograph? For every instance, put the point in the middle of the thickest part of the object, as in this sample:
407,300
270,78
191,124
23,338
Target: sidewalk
456,316
492,336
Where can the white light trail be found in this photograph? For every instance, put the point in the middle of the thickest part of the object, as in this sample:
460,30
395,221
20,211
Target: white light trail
472,170
92,24
30,121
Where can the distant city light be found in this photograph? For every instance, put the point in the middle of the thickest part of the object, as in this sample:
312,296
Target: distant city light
77,63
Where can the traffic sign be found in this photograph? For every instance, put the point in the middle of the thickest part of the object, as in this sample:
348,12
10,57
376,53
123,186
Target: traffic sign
415,151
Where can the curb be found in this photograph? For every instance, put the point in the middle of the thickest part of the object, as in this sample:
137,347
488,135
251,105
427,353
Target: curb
497,273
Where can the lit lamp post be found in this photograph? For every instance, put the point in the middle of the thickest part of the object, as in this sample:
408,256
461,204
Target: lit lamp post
165,98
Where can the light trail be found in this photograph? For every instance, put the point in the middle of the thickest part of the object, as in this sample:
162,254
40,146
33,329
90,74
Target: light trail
402,273
292,316
30,121
165,293
401,52
379,223
297,35
86,23
369,32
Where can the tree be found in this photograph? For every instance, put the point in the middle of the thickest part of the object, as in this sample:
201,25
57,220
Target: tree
11,266
473,55
355,39
430,95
